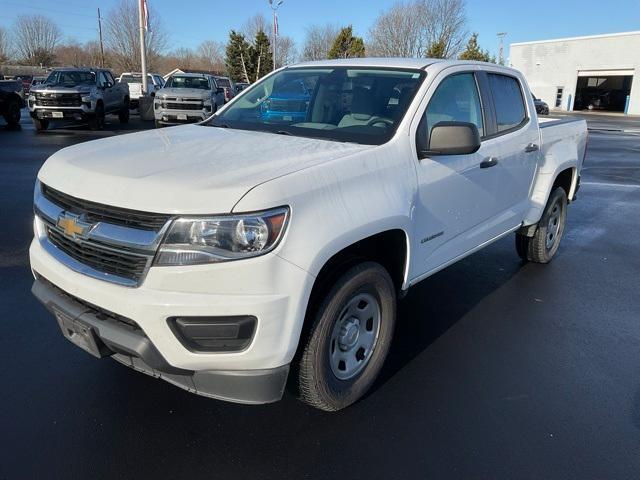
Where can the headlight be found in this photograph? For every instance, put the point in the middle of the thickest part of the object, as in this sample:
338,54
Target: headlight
193,241
86,98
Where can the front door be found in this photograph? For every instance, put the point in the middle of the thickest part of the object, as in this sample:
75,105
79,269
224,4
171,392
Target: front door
457,208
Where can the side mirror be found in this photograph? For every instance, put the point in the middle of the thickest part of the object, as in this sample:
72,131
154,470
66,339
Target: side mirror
452,138
219,90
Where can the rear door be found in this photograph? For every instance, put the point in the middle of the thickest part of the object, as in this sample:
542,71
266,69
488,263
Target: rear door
515,138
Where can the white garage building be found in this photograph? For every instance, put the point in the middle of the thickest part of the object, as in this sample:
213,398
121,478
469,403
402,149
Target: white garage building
598,72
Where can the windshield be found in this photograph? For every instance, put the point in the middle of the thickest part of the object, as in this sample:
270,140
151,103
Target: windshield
188,82
362,105
134,79
223,82
71,78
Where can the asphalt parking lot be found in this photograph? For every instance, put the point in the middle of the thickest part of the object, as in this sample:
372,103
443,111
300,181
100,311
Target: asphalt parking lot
499,370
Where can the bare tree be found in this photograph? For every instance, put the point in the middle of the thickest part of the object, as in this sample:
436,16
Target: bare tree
187,59
36,37
398,32
4,46
445,25
286,53
122,37
318,41
211,55
255,24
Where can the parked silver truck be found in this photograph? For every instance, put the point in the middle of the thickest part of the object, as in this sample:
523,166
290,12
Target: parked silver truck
187,98
11,101
78,95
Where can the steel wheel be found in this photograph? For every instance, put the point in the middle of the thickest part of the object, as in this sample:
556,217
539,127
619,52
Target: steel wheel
354,336
553,226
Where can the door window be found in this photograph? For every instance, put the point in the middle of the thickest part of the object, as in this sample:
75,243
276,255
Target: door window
102,79
455,100
508,101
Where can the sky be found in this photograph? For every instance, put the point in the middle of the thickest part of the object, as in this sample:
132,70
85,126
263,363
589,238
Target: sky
189,23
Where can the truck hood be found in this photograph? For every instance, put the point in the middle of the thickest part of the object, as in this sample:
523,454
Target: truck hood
188,169
85,88
183,92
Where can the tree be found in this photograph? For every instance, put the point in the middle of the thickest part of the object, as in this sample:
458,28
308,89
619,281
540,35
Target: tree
444,27
436,50
4,46
36,37
257,23
474,52
398,32
211,56
318,41
237,57
346,45
122,37
261,59
286,53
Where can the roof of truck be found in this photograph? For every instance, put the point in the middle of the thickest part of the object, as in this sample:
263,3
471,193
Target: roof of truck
415,63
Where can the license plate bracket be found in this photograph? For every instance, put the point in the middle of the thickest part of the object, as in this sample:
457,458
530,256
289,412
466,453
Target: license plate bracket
81,335
182,116
57,114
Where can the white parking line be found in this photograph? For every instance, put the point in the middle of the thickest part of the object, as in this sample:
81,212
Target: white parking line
611,185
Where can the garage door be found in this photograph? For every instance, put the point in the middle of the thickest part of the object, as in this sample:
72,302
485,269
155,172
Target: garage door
605,90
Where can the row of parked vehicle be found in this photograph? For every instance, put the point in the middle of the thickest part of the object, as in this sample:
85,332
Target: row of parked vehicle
87,95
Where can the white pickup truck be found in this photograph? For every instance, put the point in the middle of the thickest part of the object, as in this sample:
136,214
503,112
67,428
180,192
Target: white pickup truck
269,244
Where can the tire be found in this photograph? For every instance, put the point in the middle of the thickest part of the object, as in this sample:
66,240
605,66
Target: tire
12,117
123,114
40,124
349,338
97,122
542,247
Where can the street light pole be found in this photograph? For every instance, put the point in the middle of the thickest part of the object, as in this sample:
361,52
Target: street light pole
501,36
274,6
142,18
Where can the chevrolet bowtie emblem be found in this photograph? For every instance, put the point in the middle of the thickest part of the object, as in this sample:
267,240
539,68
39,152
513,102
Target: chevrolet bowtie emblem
72,226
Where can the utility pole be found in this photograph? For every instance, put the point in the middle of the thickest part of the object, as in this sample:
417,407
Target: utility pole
274,6
101,45
501,36
142,17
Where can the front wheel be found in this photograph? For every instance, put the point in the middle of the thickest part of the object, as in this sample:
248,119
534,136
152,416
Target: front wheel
545,242
97,122
349,339
123,115
40,124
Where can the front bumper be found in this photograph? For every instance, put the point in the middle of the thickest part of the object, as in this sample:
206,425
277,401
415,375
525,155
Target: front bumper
68,113
268,287
179,117
120,338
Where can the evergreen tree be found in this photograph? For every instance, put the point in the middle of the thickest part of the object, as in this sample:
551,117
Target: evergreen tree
436,50
238,58
346,45
474,52
261,57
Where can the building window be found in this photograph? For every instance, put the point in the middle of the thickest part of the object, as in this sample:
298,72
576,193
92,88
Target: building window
559,92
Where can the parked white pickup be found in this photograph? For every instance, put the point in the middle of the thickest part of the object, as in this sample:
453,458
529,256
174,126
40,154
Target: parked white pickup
272,240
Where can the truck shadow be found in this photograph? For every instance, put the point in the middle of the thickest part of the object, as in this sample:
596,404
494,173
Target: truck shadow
437,303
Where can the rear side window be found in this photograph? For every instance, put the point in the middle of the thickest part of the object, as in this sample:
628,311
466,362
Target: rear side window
508,101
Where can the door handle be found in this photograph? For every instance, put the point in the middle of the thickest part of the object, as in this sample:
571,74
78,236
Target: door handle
489,162
532,147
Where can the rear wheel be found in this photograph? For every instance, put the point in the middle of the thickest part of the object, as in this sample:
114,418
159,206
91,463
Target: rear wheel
40,124
12,117
545,242
349,338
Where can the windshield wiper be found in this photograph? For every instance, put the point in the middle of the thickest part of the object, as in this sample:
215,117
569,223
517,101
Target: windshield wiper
283,132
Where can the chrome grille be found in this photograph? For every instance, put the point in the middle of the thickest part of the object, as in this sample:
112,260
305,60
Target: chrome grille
123,264
58,99
183,106
96,212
